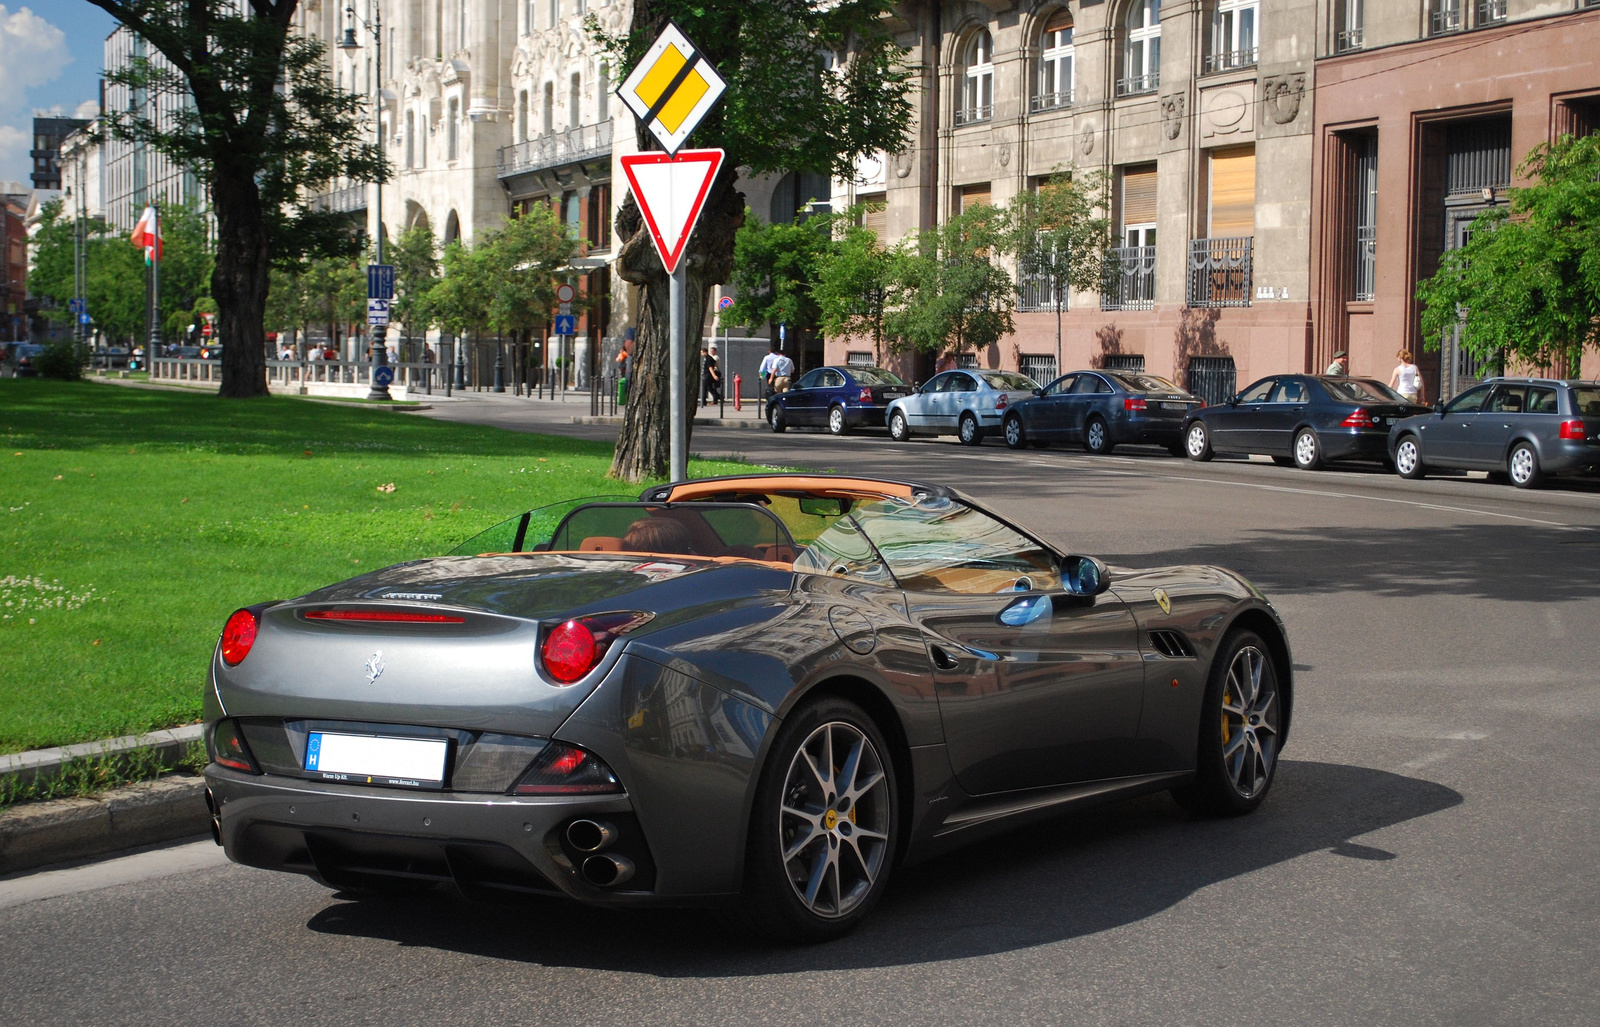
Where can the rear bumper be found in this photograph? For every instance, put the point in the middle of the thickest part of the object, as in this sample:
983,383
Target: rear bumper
1355,444
863,415
1569,456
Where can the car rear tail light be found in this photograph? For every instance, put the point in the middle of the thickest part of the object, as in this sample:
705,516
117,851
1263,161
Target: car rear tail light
866,396
228,748
1573,430
1134,403
1002,401
238,635
562,769
1360,419
574,647
385,616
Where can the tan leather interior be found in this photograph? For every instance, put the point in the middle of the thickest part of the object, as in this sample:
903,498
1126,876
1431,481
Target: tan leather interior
776,553
600,544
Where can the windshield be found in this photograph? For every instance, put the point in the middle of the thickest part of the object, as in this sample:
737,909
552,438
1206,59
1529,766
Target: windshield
1361,390
1010,381
737,530
527,531
875,376
933,543
1586,402
1146,383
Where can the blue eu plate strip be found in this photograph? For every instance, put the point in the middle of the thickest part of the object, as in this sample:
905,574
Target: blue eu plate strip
313,750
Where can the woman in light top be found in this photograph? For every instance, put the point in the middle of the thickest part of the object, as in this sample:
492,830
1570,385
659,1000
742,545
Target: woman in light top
1407,378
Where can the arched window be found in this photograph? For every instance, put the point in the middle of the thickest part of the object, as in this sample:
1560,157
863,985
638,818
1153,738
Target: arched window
1141,49
1055,63
1233,35
977,88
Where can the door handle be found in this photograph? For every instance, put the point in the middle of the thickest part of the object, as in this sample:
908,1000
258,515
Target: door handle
942,658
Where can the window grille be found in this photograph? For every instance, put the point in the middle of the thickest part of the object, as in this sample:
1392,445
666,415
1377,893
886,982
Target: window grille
1444,17
1130,282
1123,362
1041,367
1219,272
858,358
1213,379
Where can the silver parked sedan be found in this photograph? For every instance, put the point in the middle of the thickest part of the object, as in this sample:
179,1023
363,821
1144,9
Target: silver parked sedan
968,404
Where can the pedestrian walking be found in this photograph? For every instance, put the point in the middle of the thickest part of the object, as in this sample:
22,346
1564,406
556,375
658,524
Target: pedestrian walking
1407,378
710,377
1340,365
764,372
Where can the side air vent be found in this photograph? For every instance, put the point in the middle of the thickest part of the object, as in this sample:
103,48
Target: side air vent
1172,645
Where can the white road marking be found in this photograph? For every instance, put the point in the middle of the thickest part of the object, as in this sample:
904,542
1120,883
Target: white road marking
141,866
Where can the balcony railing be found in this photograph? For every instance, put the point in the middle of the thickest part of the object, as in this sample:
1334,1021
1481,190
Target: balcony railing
1219,272
1444,20
1491,12
1037,293
1366,262
1137,85
1130,281
973,115
586,142
1346,40
342,201
1051,101
1232,60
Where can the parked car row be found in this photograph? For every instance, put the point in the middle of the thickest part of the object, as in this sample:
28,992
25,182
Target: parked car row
1524,429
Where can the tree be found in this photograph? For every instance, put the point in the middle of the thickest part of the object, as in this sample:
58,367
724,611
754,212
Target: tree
415,256
333,292
775,272
518,262
115,279
1060,238
948,293
1527,283
263,124
853,280
787,107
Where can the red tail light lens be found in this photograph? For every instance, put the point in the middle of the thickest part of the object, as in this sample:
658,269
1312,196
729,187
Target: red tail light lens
1573,430
238,635
1134,403
562,769
574,647
1002,401
1359,419
229,749
866,396
385,616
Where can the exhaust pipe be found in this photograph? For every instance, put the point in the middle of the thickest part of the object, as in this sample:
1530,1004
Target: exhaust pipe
590,835
216,818
607,871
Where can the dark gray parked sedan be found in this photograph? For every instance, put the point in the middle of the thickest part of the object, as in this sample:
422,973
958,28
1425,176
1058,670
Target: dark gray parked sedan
1525,428
1301,419
1102,410
764,692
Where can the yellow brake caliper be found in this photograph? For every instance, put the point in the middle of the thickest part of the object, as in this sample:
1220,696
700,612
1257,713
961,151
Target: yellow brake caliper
1227,697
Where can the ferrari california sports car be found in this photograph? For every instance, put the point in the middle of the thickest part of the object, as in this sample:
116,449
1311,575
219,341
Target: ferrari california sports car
763,692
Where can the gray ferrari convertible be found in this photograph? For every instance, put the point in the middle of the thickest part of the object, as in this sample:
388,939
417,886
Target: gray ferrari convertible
762,692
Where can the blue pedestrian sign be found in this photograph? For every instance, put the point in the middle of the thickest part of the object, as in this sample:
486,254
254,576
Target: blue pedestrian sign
83,319
77,305
566,324
383,376
380,281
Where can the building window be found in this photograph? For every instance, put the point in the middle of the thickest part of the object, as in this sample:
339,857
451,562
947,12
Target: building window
1055,64
1131,268
1489,12
1366,235
1122,362
1352,13
858,358
549,108
875,214
1220,264
1141,50
522,116
977,88
410,139
453,131
1444,16
600,216
554,14
1041,367
574,98
1213,379
602,95
1233,35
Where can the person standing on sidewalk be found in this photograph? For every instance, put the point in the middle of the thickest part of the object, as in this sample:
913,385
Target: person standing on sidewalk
764,372
1407,378
710,377
1340,365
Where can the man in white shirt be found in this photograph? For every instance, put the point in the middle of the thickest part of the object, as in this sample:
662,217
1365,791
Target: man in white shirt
764,372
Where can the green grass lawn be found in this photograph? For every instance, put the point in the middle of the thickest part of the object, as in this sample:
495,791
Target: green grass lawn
133,521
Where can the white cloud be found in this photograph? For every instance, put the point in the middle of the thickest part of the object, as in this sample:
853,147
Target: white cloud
32,51
87,109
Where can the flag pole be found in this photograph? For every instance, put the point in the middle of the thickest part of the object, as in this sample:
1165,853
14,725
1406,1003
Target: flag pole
155,290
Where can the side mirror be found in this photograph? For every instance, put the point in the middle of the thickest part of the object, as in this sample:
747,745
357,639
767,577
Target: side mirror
1233,400
1084,576
1438,406
1037,393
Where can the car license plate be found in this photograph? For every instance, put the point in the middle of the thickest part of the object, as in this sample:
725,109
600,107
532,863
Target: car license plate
1173,406
376,760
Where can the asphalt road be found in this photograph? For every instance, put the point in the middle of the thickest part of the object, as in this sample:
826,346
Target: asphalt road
1428,854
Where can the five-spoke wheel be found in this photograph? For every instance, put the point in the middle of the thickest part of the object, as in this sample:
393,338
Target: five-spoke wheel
1016,438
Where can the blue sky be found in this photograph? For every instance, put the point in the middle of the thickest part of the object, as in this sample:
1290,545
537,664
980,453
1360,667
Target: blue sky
51,52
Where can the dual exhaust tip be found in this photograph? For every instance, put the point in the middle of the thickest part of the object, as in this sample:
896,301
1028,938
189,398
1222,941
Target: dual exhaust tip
601,869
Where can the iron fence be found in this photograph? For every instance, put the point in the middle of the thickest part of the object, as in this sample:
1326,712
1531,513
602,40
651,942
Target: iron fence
1051,101
1213,379
973,115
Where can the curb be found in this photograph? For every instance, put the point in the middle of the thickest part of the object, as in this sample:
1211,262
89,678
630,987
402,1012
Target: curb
41,833
168,745
708,422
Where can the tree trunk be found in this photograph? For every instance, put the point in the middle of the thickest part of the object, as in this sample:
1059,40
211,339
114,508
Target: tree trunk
643,447
240,280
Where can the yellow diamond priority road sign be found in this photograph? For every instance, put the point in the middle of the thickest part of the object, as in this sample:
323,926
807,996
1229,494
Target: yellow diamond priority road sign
671,89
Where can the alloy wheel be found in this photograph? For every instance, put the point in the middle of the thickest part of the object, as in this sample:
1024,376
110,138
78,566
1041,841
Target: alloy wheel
1095,436
1306,450
1196,443
833,825
1249,722
1014,437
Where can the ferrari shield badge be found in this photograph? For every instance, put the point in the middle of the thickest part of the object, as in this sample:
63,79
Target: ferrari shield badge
1162,599
374,667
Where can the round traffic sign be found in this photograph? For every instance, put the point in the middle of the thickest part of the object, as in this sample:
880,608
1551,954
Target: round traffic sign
384,376
565,293
725,302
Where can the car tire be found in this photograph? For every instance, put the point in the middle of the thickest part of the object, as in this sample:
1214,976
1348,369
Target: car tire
838,424
1241,730
1408,458
1015,437
1097,437
1197,442
1307,450
899,430
794,899
775,419
968,432
1523,467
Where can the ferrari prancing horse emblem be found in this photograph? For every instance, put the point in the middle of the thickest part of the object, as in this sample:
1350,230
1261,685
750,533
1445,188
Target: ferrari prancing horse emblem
1162,599
374,667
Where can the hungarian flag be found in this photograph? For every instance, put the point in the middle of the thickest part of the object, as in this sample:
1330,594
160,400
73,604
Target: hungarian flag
147,233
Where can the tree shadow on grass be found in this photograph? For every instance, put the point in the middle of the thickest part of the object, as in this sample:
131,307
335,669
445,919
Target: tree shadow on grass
1076,876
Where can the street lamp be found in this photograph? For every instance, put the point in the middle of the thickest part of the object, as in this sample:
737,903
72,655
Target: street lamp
377,351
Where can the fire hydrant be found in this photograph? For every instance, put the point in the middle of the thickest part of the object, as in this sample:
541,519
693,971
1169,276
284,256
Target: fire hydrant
737,404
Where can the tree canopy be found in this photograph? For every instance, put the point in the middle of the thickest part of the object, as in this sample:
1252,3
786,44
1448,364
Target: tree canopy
948,292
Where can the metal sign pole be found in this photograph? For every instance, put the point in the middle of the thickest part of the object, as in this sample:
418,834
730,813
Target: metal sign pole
679,462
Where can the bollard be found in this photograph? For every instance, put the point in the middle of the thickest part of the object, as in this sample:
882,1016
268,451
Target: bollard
737,403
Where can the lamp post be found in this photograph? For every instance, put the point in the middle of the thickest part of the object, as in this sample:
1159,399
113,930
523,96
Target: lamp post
378,352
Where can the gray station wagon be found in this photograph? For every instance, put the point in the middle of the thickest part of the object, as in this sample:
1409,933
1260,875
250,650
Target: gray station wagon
1524,428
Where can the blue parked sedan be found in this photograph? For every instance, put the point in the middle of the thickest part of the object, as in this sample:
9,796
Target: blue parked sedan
837,398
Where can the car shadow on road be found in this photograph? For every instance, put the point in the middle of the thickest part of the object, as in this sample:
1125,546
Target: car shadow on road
1078,875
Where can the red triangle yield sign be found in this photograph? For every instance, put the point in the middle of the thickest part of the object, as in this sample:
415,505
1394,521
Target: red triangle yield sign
670,192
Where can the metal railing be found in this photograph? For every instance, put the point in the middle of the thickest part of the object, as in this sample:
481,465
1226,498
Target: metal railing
1346,40
1213,379
1041,368
420,377
1051,101
1490,12
973,115
585,142
1219,272
1130,279
342,201
1231,60
1137,85
1366,275
1035,293
1445,18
